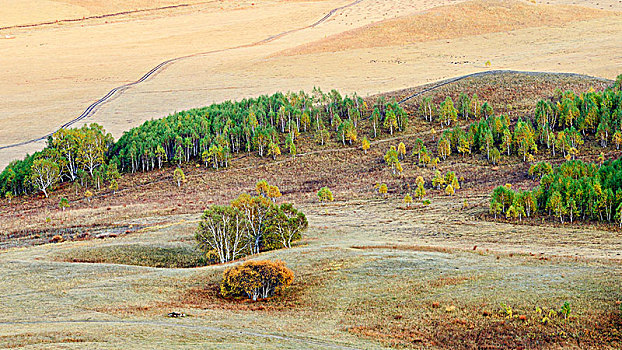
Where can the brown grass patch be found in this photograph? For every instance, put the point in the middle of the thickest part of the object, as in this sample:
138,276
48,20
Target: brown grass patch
418,248
209,297
599,332
452,21
449,281
25,339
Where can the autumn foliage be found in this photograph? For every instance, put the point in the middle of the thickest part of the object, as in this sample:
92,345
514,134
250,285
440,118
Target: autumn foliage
256,280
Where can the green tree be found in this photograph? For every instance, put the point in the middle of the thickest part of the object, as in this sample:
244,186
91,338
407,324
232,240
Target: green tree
556,204
495,208
287,223
325,195
44,173
257,214
420,191
392,160
448,112
223,230
390,121
179,176
444,147
375,120
63,203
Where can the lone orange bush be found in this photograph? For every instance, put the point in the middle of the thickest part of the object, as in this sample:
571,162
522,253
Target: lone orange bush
256,279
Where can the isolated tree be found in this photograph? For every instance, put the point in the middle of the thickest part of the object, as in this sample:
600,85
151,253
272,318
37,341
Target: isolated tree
449,190
223,229
419,180
401,151
325,195
418,148
179,176
114,186
427,108
63,203
291,146
256,280
408,200
434,162
44,173
425,158
88,194
112,172
420,191
383,189
365,145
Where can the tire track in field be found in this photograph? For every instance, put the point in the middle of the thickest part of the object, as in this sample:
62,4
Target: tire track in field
106,15
256,334
117,91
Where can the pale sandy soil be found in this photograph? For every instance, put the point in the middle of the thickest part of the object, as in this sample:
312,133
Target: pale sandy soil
51,73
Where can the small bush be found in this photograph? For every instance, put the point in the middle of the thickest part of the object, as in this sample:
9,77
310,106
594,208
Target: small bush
325,195
256,279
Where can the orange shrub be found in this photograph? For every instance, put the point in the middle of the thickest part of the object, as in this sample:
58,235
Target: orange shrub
256,279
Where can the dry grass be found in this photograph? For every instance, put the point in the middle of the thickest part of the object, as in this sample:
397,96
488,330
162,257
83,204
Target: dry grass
368,274
452,21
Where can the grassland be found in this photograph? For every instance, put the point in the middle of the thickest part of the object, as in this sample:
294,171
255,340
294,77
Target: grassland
369,273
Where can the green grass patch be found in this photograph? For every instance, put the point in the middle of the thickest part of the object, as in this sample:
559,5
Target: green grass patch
169,256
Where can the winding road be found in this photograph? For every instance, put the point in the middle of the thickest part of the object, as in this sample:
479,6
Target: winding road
117,91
